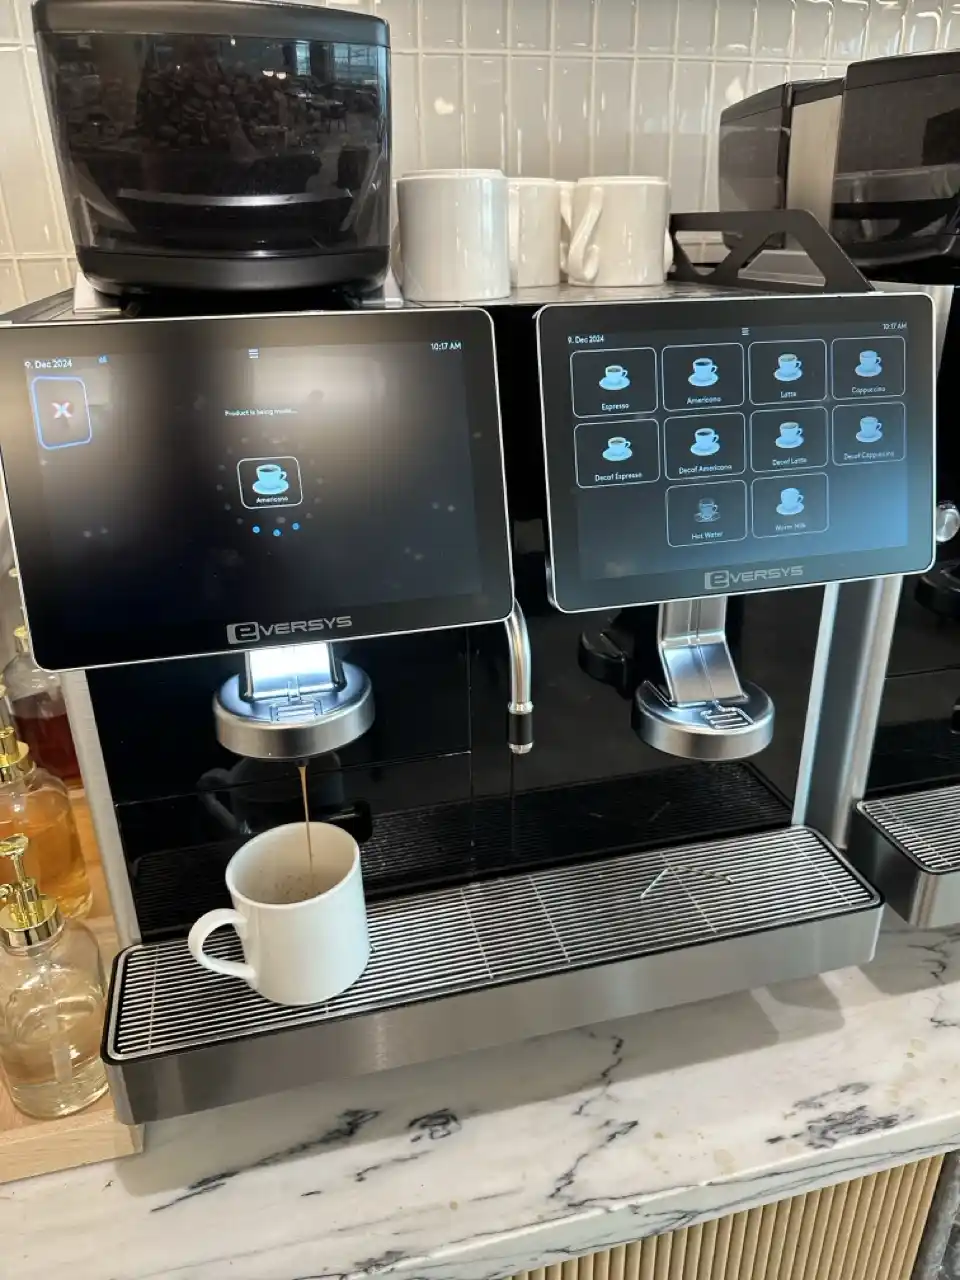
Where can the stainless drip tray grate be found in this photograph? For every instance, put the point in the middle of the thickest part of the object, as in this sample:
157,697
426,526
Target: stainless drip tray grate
452,961
909,846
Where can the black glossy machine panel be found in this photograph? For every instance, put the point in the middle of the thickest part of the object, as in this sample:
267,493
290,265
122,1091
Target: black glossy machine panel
207,144
918,741
431,791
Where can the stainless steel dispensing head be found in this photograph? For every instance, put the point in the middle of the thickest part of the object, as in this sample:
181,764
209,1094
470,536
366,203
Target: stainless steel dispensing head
303,700
293,703
705,711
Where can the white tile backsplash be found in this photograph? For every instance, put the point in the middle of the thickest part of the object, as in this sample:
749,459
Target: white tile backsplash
613,86
950,27
617,26
11,292
848,37
736,23
8,22
402,16
441,24
41,276
442,120
657,28
573,25
25,178
530,24
696,28
774,38
562,87
812,21
652,116
690,135
571,110
885,28
923,23
487,23
528,116
485,100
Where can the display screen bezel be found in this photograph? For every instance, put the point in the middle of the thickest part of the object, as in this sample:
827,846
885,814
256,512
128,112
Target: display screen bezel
117,642
571,591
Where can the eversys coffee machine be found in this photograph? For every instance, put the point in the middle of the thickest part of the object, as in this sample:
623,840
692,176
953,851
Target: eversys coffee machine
237,535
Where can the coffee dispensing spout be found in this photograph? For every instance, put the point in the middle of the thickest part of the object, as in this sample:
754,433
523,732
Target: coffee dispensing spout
293,703
702,710
520,707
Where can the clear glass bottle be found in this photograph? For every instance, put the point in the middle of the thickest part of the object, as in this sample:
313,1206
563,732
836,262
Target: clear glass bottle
52,999
40,712
34,802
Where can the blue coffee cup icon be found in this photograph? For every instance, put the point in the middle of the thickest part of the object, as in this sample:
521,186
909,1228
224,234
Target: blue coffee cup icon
271,479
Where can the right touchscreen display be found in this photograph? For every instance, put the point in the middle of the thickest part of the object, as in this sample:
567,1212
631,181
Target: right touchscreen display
708,446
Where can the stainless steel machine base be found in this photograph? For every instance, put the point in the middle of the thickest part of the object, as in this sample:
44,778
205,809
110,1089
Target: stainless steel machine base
497,961
909,847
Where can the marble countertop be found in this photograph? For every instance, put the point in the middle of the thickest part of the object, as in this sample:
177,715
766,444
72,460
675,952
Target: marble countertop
481,1166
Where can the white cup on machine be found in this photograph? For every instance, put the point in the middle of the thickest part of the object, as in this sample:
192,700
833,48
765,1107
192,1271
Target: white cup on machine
619,232
534,232
453,235
304,936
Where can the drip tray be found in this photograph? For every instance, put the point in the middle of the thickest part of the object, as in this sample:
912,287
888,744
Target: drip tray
489,963
908,845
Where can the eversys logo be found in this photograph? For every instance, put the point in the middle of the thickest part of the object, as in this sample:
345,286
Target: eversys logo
730,579
254,632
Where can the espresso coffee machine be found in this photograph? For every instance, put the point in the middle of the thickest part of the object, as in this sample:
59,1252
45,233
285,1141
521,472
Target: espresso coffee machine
243,531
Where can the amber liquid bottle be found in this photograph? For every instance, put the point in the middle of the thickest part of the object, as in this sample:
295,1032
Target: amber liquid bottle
35,803
40,713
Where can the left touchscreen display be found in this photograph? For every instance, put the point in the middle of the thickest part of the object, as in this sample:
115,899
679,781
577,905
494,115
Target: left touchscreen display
186,487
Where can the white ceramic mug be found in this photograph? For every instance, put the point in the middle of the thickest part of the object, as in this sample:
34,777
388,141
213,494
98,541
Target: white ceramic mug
453,231
534,232
304,940
620,229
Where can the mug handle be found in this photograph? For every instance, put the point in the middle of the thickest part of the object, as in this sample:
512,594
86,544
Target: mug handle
566,223
584,260
202,930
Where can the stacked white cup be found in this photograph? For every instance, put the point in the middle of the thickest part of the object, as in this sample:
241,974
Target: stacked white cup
470,235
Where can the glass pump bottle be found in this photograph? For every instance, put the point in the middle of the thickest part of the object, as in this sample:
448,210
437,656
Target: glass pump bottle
52,999
34,802
40,712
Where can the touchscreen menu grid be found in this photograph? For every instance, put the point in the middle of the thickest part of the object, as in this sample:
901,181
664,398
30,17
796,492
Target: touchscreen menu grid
747,433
